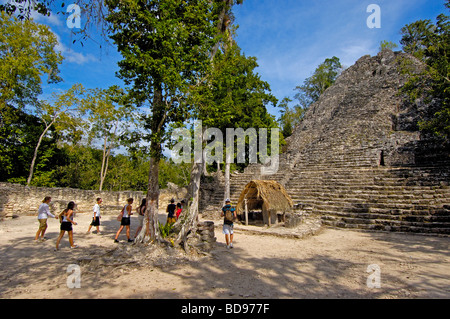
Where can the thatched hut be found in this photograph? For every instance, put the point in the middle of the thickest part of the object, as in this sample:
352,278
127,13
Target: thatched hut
268,196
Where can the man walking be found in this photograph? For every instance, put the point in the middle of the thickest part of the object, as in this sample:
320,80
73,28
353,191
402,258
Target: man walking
229,214
171,212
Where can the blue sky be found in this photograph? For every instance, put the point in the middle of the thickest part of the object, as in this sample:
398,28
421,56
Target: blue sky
289,38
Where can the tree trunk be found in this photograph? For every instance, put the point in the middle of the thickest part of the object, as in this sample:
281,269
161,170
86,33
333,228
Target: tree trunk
190,223
157,128
150,229
153,200
33,161
106,154
102,175
227,182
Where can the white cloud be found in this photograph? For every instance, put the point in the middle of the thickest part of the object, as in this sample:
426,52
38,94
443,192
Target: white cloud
78,58
72,56
53,19
351,52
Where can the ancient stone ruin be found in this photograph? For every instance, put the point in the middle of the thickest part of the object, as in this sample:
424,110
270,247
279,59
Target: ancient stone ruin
358,159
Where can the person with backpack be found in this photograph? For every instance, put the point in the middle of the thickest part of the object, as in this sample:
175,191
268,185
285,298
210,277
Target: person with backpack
229,214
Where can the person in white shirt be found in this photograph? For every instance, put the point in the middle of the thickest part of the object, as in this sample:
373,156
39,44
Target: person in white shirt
96,216
43,213
125,221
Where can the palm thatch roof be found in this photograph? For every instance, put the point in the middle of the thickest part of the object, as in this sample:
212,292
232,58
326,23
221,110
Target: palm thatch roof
270,193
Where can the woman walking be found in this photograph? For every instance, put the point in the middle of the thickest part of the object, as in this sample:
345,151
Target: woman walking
96,217
66,225
125,221
43,213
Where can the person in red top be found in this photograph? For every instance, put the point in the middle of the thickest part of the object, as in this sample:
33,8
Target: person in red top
179,210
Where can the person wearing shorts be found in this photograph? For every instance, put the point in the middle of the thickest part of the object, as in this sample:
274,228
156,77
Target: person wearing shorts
171,219
66,225
227,223
43,213
96,216
125,221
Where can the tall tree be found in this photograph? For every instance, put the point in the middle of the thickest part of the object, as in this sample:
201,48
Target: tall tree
224,14
110,118
323,77
27,54
165,46
60,114
431,43
234,97
290,116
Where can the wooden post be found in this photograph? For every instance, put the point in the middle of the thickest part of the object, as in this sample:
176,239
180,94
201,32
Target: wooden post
246,212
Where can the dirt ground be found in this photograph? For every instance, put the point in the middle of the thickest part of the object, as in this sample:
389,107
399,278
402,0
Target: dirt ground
331,264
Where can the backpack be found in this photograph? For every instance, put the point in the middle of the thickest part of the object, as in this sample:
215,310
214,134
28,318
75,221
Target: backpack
229,215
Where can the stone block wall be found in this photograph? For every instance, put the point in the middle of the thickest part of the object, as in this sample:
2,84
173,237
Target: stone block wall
19,200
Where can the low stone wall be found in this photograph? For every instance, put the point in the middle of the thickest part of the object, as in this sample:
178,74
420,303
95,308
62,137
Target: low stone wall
19,200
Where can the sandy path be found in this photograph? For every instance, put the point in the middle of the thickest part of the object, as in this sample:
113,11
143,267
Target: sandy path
332,264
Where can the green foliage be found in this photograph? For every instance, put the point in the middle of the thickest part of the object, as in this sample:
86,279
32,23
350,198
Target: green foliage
313,87
290,117
165,229
165,46
387,45
178,174
17,148
234,95
26,54
323,77
431,43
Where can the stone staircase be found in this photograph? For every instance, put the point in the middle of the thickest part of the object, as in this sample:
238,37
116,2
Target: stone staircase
376,198
405,199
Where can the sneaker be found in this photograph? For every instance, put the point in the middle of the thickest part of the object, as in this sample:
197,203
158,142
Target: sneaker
74,246
228,246
116,241
231,245
130,240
